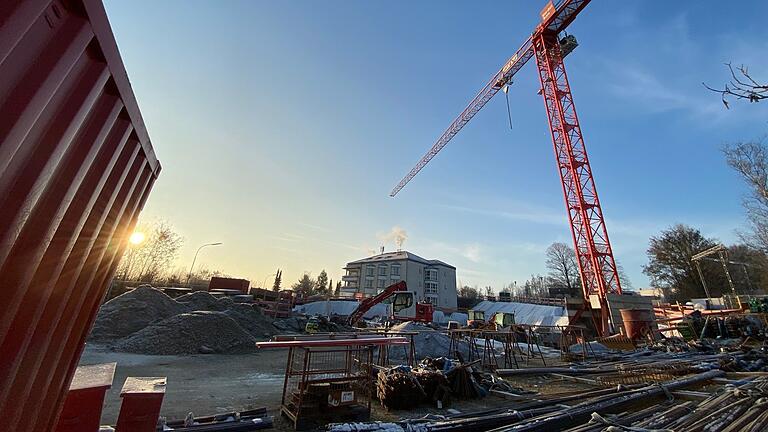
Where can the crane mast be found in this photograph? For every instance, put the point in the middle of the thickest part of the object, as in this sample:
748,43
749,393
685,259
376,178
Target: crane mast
597,266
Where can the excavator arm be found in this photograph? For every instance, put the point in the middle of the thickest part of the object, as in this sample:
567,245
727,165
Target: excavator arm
367,303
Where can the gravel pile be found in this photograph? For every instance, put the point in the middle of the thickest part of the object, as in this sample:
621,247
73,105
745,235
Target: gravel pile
294,324
202,301
429,342
131,312
202,332
146,321
251,320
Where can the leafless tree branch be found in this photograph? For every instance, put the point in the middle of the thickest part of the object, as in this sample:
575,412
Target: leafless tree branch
740,86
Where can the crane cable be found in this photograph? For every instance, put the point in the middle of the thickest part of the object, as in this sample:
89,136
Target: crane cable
509,111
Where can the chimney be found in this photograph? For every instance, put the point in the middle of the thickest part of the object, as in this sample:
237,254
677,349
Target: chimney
382,250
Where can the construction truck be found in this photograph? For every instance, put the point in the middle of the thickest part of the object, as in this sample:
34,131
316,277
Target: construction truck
499,320
403,302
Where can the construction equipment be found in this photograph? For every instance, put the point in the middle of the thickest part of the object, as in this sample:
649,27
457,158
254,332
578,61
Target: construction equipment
503,320
404,306
597,267
475,319
498,321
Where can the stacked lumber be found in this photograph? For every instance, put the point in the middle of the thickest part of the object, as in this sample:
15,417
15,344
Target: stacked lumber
398,388
435,381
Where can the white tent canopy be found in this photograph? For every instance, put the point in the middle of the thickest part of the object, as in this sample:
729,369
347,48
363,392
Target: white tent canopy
525,313
340,307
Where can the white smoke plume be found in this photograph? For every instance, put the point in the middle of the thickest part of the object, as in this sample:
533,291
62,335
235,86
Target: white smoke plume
396,235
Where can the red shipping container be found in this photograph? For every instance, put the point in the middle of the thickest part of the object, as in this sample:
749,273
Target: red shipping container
76,167
222,283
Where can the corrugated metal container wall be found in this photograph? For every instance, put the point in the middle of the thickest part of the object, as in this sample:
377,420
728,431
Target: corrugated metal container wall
76,166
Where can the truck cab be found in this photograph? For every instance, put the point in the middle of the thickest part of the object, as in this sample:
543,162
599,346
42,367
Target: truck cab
475,318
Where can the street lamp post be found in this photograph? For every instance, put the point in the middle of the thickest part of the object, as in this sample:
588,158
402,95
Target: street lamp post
189,276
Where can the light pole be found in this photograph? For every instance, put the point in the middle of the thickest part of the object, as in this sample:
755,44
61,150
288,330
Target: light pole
189,276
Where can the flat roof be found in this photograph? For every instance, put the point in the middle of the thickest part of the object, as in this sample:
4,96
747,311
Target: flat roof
400,255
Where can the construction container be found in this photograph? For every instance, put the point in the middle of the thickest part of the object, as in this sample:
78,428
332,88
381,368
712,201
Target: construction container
637,322
76,167
229,284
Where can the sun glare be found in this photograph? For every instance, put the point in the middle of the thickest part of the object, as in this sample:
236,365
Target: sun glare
136,238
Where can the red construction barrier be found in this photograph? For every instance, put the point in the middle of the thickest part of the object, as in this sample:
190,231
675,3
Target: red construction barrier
140,409
85,399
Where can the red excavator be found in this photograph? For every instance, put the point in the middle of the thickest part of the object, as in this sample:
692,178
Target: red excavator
404,308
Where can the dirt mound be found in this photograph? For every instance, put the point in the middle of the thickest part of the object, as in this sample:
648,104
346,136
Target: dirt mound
429,342
203,301
133,311
190,333
251,320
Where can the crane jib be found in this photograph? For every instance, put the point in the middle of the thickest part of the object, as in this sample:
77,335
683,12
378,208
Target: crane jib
597,266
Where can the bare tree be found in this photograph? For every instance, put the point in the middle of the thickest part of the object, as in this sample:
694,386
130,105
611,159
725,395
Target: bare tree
741,86
750,160
563,269
626,283
151,259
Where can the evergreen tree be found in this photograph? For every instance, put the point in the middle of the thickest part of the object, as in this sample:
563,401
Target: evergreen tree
305,286
322,282
278,280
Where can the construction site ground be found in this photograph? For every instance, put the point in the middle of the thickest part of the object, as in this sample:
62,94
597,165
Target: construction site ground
216,383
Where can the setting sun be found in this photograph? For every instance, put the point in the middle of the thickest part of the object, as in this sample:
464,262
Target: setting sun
136,238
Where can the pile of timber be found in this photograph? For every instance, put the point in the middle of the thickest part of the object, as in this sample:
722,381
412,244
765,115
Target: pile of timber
398,388
434,381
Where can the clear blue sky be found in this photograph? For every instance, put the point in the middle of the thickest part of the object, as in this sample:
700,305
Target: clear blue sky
282,126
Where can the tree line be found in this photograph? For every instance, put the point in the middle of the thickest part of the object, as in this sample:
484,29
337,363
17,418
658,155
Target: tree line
308,286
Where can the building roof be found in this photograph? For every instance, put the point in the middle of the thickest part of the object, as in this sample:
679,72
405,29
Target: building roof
397,256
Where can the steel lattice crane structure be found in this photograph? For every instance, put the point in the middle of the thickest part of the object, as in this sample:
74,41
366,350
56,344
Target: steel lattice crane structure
597,266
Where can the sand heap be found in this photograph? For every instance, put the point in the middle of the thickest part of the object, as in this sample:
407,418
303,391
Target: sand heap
146,321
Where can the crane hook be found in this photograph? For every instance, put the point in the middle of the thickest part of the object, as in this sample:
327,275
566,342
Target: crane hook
509,111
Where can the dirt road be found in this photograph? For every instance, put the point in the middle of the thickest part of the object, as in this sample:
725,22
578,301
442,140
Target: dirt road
203,384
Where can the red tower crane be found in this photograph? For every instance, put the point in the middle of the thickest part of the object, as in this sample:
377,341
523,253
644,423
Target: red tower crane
597,267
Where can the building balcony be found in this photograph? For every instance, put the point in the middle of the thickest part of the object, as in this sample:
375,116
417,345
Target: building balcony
350,278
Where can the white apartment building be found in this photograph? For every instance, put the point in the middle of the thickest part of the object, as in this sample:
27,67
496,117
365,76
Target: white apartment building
433,281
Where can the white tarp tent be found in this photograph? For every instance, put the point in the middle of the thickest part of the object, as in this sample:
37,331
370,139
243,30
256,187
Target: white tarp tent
440,317
525,313
340,307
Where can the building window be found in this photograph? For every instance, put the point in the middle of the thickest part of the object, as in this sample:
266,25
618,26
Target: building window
430,288
381,284
382,270
431,275
368,283
369,271
395,271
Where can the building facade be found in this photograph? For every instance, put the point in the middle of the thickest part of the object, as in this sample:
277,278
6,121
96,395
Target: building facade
433,281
